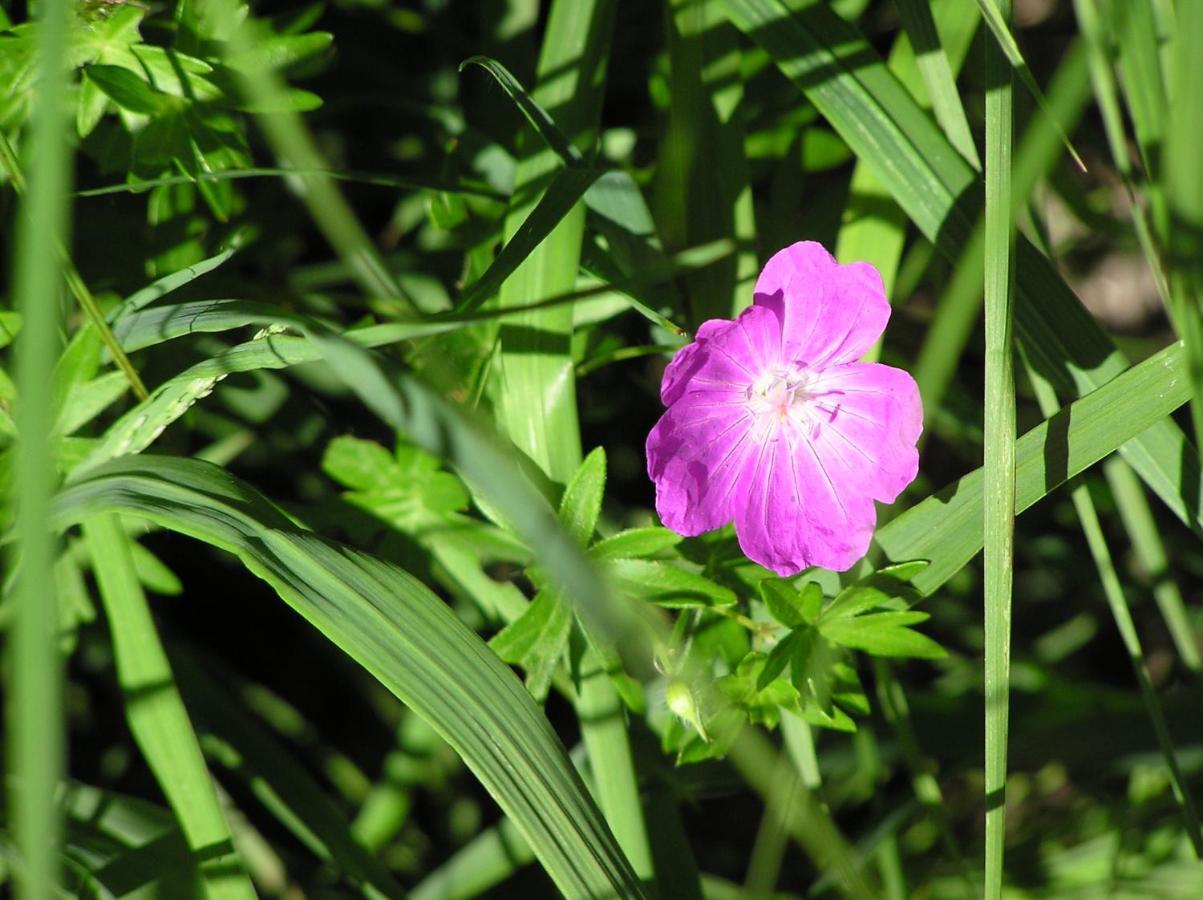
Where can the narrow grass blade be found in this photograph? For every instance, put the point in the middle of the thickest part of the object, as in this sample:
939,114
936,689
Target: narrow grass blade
415,182
161,287
1184,191
701,191
874,226
536,403
487,860
938,77
999,467
996,15
1118,602
76,284
563,194
946,528
1103,78
837,69
806,821
400,632
531,108
1133,28
240,742
1150,551
959,304
34,712
156,714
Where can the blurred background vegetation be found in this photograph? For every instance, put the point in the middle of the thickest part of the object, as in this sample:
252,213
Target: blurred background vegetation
328,783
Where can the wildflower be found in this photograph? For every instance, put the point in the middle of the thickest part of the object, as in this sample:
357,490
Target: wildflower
773,423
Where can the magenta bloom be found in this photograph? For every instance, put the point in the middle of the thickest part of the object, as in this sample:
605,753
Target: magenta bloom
773,423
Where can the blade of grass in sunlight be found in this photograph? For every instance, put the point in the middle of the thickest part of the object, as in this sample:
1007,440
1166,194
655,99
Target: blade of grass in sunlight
701,191
946,528
403,634
1093,530
834,65
999,452
234,737
938,76
996,14
1150,551
1184,191
874,226
536,403
156,715
960,302
34,716
1103,78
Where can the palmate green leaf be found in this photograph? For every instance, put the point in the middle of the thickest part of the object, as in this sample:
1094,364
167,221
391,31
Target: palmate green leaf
842,75
405,489
404,635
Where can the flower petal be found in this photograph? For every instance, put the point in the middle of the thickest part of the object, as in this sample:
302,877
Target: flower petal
695,455
870,415
793,514
830,313
727,352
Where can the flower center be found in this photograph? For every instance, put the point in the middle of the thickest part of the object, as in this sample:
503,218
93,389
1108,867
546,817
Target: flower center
780,392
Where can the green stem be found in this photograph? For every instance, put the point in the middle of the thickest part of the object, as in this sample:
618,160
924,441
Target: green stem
1093,531
999,449
76,285
34,707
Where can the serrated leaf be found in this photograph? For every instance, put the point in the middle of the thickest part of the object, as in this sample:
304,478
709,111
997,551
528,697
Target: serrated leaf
635,543
779,657
666,585
790,606
127,90
855,599
402,634
536,640
811,665
581,504
884,634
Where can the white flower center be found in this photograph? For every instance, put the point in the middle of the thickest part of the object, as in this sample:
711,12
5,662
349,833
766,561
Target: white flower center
781,393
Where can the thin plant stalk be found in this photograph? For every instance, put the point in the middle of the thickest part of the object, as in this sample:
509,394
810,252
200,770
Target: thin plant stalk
1093,531
34,708
1000,427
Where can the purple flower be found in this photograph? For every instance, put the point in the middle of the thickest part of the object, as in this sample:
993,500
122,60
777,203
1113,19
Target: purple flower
773,423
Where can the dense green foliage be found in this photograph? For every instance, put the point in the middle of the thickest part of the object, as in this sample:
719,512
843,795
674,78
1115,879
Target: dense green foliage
329,345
